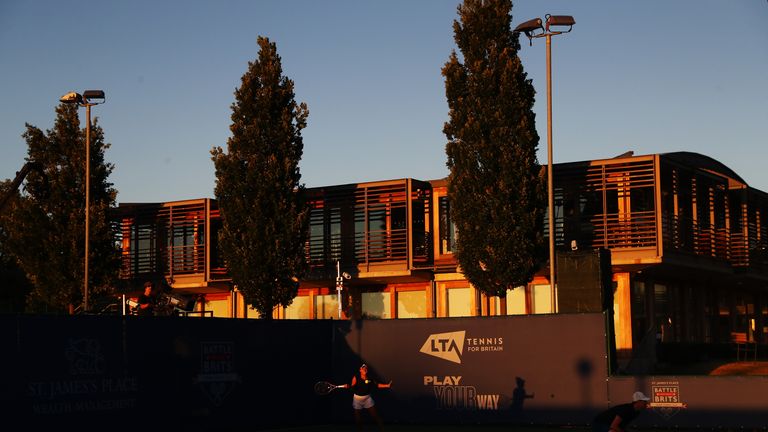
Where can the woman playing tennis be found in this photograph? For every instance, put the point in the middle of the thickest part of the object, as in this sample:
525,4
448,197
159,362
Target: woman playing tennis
361,386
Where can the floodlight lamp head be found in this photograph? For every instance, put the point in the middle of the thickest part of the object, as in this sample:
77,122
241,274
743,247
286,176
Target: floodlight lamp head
560,21
530,28
346,275
72,97
94,96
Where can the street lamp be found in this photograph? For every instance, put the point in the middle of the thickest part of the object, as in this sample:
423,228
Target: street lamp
88,99
534,29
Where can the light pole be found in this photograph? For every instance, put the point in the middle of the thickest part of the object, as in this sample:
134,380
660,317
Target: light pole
88,99
534,29
340,283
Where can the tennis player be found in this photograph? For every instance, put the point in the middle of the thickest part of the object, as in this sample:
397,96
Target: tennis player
362,385
616,419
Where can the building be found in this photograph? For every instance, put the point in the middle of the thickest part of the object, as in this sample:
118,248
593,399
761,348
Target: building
688,242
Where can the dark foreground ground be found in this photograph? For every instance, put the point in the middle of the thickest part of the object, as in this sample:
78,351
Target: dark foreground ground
479,428
423,428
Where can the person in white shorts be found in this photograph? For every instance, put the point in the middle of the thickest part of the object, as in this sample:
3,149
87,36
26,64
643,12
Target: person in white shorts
361,386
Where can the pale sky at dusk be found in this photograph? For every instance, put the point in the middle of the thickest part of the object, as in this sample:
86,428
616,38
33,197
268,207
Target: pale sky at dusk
652,77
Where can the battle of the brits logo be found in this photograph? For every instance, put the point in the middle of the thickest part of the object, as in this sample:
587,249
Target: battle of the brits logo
447,346
666,398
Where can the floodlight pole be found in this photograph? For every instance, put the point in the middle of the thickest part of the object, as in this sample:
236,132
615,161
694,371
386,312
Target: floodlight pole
84,100
550,187
529,27
87,200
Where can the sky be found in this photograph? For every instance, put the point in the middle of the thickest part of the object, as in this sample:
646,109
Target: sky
650,76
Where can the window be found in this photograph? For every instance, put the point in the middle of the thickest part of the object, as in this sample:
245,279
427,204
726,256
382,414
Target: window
642,199
447,227
316,235
142,245
299,309
252,313
185,245
421,239
377,232
325,235
360,234
541,296
724,316
219,307
376,305
459,302
327,306
764,311
639,315
662,316
745,310
334,222
217,261
516,301
412,304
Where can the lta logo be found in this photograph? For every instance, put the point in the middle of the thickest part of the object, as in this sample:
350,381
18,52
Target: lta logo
447,346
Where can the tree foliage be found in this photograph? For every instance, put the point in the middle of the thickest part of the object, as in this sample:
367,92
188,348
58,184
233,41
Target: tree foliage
496,187
14,283
261,199
44,229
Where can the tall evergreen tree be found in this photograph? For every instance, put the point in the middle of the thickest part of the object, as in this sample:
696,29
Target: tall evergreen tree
496,187
263,210
44,230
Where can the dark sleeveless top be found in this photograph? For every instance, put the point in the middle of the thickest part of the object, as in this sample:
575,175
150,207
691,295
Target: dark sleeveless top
363,387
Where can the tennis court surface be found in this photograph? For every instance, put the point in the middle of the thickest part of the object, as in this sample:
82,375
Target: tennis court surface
453,428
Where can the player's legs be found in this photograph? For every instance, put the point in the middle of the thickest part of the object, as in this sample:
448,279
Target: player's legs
358,419
359,403
375,415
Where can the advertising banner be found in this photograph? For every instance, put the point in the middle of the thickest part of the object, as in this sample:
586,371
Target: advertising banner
519,369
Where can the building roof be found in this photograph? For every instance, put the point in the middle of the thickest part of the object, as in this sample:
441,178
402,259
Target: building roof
704,162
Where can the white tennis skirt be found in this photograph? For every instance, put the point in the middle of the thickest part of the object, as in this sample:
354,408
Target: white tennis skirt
360,402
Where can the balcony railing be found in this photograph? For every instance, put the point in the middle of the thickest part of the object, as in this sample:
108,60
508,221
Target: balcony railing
381,246
186,259
684,234
739,250
370,248
625,230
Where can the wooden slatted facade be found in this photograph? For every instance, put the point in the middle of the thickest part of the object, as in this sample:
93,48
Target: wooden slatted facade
171,241
375,227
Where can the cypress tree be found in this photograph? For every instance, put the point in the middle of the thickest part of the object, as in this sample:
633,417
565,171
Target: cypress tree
258,187
496,187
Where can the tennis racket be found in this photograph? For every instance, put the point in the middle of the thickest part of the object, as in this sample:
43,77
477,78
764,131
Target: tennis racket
324,387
